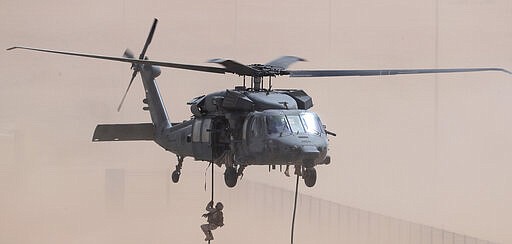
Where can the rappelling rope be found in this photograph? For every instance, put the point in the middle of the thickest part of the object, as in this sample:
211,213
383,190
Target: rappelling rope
205,171
295,206
213,167
213,171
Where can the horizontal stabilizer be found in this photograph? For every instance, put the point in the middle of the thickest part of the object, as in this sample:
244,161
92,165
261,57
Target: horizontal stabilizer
124,132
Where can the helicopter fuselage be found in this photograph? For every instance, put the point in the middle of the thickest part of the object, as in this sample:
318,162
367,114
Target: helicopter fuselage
269,137
235,128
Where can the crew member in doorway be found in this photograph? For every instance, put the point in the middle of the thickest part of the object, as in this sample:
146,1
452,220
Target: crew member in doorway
215,219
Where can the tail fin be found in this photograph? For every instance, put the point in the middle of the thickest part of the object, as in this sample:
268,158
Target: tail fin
153,99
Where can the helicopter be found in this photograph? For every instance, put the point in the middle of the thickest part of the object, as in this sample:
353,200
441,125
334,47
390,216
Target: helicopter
247,125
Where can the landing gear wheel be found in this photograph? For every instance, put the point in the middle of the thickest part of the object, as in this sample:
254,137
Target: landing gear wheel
177,172
309,176
175,176
230,176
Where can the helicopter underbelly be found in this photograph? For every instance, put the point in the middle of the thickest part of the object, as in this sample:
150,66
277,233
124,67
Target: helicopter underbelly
287,150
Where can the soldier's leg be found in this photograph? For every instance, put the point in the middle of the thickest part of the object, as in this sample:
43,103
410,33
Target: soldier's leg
206,231
210,228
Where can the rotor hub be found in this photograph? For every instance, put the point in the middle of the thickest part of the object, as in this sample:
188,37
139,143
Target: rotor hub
267,70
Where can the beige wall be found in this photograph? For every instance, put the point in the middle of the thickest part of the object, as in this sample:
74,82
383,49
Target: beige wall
429,149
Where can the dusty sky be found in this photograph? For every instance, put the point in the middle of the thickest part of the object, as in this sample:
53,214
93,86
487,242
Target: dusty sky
432,149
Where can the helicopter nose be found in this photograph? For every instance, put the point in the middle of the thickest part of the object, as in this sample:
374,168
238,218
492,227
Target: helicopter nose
310,152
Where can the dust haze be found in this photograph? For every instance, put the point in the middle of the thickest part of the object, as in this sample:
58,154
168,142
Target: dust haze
430,149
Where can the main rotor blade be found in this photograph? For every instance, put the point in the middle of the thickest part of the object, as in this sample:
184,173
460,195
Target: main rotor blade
284,61
235,67
148,40
126,92
131,60
327,73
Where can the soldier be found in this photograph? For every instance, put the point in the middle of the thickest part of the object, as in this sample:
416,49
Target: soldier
215,219
287,171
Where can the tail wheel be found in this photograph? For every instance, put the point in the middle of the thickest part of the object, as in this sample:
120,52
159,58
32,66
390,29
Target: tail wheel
175,176
230,176
309,176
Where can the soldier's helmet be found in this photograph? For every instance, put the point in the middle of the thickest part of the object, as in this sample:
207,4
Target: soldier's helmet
219,206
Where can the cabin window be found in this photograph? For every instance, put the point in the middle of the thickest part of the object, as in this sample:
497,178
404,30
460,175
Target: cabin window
205,134
256,126
196,133
244,130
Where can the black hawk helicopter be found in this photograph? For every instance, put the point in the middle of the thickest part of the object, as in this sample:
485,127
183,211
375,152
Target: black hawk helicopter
247,125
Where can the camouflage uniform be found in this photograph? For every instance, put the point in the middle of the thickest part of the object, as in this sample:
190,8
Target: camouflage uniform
215,219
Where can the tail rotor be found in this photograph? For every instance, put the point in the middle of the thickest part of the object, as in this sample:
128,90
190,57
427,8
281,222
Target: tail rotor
128,53
136,67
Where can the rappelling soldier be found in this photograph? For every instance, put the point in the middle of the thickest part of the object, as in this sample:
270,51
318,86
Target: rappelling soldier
215,219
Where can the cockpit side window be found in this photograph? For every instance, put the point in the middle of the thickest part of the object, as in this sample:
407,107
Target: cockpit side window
277,124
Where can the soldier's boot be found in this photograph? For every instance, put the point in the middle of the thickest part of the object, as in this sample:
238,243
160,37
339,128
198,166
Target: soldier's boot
209,236
298,170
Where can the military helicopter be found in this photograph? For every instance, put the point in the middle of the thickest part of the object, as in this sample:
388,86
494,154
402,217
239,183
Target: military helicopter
247,125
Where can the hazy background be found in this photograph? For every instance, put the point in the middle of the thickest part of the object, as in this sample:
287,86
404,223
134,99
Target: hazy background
432,149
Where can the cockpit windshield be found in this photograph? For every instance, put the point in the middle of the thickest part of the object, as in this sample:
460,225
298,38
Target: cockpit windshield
295,123
277,124
306,122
